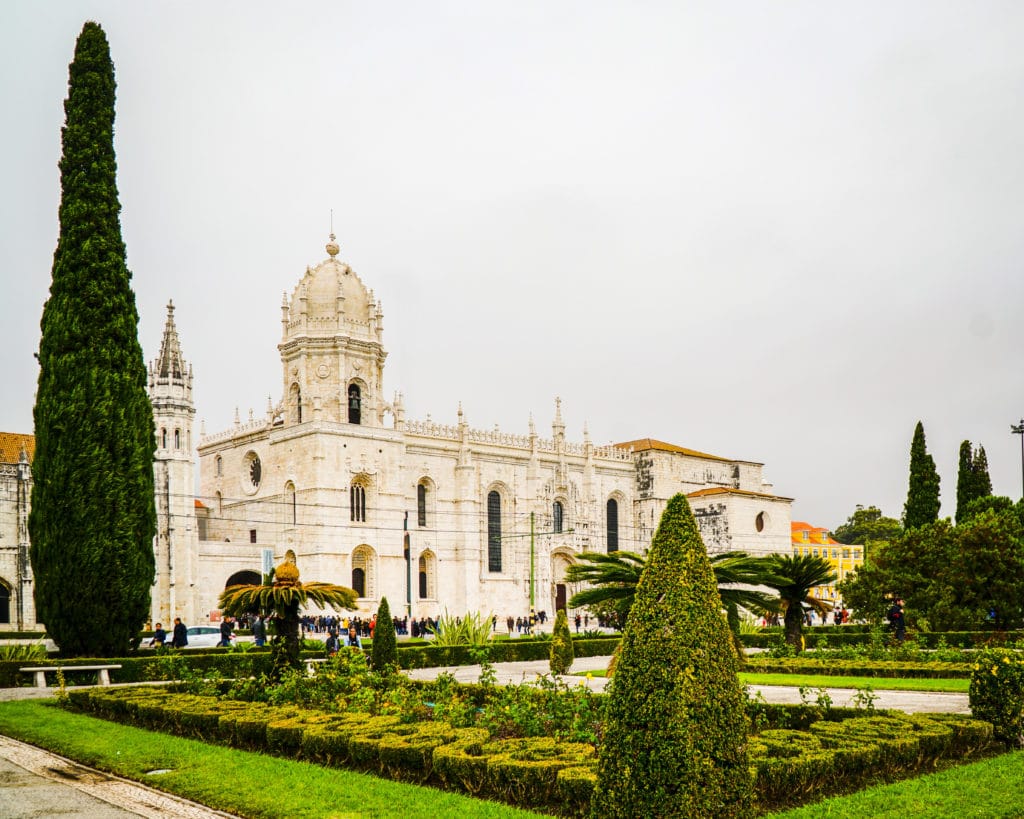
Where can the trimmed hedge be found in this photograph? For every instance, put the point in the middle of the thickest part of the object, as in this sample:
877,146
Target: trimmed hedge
806,755
857,668
860,635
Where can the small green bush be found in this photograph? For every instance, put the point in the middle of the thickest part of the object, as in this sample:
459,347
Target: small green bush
384,654
561,656
997,693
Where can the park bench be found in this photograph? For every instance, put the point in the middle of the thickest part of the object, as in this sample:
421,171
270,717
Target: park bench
311,662
102,672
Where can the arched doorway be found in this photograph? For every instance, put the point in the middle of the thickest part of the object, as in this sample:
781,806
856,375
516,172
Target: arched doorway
560,562
244,578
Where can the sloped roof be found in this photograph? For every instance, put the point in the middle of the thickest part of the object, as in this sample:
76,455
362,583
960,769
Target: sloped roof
642,444
11,444
725,490
818,534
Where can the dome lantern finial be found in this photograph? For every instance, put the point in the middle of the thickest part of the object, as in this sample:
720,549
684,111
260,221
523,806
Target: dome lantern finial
332,247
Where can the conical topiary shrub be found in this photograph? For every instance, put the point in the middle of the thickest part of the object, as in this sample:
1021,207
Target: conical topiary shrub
675,741
561,655
384,654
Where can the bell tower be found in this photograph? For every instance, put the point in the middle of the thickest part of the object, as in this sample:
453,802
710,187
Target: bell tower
176,544
332,355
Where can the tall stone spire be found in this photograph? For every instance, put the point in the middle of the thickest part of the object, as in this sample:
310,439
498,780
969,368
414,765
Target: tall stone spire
170,366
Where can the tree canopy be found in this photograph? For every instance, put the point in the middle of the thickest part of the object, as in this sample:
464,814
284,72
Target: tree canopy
867,525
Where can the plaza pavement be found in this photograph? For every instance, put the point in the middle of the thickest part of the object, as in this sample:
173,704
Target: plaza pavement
36,783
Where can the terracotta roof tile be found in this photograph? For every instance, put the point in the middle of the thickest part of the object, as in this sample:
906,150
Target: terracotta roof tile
725,490
11,444
642,444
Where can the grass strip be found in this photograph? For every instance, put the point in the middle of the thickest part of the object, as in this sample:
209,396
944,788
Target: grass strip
991,788
239,782
941,685
947,686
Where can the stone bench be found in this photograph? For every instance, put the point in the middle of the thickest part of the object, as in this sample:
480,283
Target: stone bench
102,672
311,662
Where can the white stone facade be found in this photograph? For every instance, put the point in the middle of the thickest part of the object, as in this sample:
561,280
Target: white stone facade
17,608
337,475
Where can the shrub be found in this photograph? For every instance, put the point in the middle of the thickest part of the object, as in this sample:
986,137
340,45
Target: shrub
675,728
997,693
561,656
384,654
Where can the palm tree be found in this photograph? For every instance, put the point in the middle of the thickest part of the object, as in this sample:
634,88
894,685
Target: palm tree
280,596
613,579
795,576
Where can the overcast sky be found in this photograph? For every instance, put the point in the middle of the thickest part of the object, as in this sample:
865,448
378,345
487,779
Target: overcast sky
781,232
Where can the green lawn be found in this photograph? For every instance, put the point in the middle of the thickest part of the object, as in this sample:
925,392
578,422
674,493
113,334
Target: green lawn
949,686
247,784
992,788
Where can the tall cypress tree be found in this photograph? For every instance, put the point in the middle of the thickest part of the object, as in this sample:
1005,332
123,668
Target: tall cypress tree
675,741
965,480
922,506
982,481
93,516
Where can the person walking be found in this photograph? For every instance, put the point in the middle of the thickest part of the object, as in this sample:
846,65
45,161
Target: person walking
227,626
159,637
259,631
179,637
897,620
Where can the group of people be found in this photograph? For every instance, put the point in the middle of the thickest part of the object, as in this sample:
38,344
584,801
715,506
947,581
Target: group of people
179,635
333,643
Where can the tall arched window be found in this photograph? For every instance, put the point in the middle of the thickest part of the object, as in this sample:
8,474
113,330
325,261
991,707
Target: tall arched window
295,399
357,501
177,439
493,532
291,504
557,513
163,439
220,466
355,402
423,578
421,504
612,520
5,603
363,571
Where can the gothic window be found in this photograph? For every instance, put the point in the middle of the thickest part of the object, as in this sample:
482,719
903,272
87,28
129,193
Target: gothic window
427,576
612,520
355,402
177,439
291,504
493,532
421,505
220,466
363,572
5,602
163,438
220,503
357,502
295,396
253,471
557,512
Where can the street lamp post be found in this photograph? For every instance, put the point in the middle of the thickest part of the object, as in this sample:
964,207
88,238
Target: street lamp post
1018,429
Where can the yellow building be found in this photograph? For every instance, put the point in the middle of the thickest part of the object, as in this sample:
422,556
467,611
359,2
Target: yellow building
818,542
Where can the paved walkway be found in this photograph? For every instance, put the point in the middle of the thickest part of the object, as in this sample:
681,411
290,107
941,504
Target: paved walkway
911,702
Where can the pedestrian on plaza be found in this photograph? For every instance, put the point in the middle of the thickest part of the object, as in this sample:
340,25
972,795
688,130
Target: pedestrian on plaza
897,619
578,621
159,637
259,631
227,626
510,624
179,637
352,639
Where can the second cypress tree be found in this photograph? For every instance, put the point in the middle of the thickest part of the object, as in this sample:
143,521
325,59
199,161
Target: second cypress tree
93,515
384,652
922,506
964,480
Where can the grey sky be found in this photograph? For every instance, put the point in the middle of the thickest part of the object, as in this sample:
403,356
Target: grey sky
781,232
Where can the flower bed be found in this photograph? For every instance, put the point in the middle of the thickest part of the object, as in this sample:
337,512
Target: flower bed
790,766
